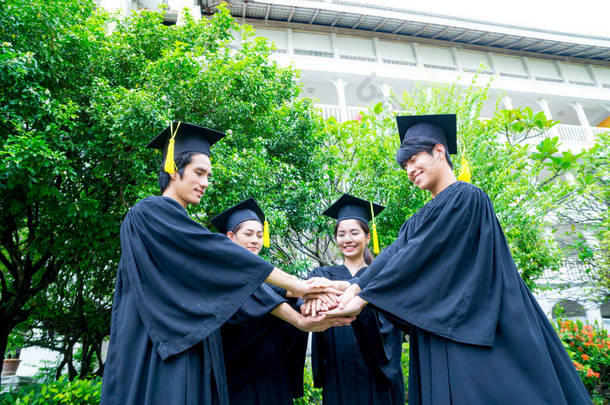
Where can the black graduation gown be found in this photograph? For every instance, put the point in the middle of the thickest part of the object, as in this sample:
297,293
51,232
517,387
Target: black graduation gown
360,363
478,336
261,365
176,285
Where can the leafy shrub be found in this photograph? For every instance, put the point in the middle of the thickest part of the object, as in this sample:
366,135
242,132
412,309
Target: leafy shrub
62,391
404,362
312,396
589,349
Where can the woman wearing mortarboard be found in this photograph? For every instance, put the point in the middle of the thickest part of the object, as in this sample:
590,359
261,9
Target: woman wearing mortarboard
263,348
177,284
477,334
357,364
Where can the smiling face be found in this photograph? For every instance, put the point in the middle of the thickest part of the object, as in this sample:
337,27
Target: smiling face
249,235
351,238
425,169
189,187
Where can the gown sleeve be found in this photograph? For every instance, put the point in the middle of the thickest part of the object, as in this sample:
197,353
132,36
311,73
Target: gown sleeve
318,342
250,323
366,275
446,277
187,280
380,343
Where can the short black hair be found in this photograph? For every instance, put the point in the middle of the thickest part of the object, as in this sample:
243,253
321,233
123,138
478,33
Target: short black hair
412,146
181,160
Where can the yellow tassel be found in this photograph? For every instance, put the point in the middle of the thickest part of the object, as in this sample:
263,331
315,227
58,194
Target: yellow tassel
464,171
266,239
170,165
375,240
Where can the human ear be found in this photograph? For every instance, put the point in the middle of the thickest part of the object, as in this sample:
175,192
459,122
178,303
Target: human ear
231,235
440,150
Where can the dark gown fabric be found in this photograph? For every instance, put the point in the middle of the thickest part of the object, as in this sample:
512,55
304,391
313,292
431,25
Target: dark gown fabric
360,363
176,285
478,335
259,352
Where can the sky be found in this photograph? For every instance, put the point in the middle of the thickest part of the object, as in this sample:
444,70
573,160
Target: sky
587,17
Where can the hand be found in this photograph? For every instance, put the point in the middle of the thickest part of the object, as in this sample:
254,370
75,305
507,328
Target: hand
314,306
338,284
352,308
348,294
330,299
321,285
320,322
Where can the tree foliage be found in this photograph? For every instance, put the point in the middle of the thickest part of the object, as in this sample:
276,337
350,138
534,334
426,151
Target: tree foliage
82,93
509,155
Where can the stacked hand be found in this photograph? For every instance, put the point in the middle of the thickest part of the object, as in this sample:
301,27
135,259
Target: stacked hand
350,304
345,305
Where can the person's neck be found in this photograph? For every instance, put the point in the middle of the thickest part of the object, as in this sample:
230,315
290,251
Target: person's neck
354,264
169,192
445,180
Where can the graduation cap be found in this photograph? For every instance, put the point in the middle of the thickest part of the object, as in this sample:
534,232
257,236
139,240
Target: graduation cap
350,207
181,137
439,128
244,211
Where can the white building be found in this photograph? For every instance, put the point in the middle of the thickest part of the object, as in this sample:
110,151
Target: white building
352,55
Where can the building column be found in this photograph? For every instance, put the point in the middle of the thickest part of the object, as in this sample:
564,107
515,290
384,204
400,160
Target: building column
526,66
545,107
508,103
376,49
340,87
116,5
560,72
418,61
593,76
582,118
456,61
594,315
180,5
546,306
333,43
492,62
386,91
289,43
547,112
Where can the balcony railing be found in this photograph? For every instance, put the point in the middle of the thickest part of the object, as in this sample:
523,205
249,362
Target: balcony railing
569,135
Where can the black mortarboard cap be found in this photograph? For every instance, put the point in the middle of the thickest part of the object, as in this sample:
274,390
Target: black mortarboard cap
439,128
244,211
350,207
187,138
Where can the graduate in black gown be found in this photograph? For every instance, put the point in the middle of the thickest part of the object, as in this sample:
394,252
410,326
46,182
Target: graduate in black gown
357,364
177,283
261,341
478,336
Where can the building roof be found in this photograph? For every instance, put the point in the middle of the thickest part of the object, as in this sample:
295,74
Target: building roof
417,25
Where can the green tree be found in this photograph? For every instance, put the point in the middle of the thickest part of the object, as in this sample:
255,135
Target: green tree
509,157
82,93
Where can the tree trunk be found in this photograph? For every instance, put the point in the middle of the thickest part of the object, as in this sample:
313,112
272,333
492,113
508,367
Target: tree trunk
4,332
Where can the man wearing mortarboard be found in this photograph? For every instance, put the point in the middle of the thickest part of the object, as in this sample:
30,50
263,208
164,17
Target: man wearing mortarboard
177,283
478,336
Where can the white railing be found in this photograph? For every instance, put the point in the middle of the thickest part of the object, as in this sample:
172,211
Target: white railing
333,110
568,134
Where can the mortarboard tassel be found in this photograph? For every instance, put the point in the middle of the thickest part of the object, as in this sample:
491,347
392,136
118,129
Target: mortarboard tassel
464,171
170,165
266,239
375,239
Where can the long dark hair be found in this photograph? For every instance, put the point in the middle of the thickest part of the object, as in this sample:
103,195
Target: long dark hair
368,257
